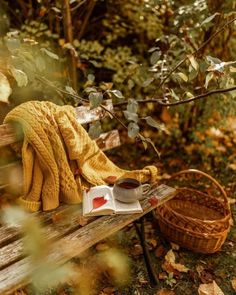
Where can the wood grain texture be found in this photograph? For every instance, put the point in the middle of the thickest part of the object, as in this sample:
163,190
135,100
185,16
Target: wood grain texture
69,246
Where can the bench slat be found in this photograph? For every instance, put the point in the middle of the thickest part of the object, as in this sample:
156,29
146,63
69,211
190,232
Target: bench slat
71,246
83,115
13,251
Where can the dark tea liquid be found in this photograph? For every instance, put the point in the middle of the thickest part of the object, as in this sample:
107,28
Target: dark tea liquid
128,185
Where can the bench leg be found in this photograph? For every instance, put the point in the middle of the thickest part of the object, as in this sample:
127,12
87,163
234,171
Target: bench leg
141,234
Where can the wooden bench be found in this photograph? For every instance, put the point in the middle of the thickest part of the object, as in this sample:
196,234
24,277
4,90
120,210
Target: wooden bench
14,266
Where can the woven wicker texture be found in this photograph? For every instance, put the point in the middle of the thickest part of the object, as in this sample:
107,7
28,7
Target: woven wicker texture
197,219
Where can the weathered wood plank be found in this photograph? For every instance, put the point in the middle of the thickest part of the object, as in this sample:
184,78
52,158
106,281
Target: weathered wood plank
108,140
71,246
83,115
13,251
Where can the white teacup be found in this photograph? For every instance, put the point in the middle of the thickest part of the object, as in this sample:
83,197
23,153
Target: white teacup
128,190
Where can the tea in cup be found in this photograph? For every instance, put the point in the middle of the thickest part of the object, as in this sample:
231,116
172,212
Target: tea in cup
128,190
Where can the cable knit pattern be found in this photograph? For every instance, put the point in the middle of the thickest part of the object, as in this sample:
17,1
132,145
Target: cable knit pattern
55,145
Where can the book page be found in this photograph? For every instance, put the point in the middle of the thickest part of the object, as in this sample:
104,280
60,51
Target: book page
101,193
125,208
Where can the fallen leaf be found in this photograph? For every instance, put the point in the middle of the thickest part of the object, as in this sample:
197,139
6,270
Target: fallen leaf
137,250
153,201
174,246
82,220
165,292
160,251
170,258
162,275
232,166
98,202
233,283
210,289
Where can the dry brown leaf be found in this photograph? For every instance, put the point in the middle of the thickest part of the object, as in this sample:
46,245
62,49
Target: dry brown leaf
170,258
162,276
210,289
233,283
232,166
174,246
160,251
165,292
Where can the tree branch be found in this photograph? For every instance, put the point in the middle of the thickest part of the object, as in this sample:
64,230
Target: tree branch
215,91
160,101
68,30
197,50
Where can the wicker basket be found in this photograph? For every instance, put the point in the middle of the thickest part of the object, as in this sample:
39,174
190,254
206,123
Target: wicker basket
194,219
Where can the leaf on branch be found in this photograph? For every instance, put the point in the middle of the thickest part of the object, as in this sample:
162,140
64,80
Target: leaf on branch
57,10
151,122
95,129
49,53
220,66
95,99
193,62
174,95
131,116
213,60
133,129
5,88
70,90
132,106
117,93
183,76
20,77
209,18
189,94
209,77
146,140
154,57
90,89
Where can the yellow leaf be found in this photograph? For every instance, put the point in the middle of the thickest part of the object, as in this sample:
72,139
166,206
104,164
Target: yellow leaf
170,258
193,62
183,76
210,289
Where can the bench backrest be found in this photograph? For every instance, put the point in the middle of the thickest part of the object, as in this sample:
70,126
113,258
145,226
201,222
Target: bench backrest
84,115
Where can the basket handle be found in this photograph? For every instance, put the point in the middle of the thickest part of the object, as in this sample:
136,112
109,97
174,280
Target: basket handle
195,171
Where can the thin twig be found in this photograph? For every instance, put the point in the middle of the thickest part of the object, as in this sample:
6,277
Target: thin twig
68,30
215,91
197,50
114,116
161,101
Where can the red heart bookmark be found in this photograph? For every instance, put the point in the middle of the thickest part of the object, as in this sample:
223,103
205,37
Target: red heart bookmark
98,202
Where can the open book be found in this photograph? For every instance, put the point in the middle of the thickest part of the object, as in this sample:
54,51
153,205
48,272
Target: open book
99,200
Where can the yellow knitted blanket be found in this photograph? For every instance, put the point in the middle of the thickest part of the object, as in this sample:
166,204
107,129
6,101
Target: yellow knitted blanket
55,145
